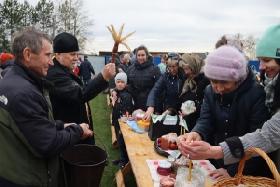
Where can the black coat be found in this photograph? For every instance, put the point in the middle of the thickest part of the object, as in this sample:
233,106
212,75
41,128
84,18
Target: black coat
123,104
234,114
42,137
141,79
86,69
197,97
169,87
124,67
68,96
31,111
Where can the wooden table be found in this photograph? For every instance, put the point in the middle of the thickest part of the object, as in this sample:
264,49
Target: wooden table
139,149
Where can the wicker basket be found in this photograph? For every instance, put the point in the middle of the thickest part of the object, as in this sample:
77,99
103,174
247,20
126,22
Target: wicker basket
250,181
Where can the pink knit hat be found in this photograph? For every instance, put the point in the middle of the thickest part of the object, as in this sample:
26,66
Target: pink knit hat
226,63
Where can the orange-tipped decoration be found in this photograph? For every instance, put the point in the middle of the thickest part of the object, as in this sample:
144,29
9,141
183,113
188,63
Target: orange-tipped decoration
119,39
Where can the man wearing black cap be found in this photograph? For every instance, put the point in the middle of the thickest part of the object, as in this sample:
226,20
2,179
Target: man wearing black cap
30,139
69,96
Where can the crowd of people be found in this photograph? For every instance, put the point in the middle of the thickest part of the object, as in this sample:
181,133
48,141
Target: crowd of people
43,108
46,88
266,134
229,98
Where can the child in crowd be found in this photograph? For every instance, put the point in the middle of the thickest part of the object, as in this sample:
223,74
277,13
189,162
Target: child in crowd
122,105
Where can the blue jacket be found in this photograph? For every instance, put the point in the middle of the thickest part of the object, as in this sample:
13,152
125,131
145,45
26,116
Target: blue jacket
170,88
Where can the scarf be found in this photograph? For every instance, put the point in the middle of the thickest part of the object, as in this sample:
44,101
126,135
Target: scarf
195,64
269,84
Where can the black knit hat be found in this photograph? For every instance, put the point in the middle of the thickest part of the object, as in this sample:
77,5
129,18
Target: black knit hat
65,43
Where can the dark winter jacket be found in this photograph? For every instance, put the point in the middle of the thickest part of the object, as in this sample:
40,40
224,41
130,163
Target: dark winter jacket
124,67
30,139
141,79
123,104
197,97
170,88
6,67
86,70
68,96
233,114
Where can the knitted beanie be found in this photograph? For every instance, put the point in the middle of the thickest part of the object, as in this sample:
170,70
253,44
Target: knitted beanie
269,45
65,43
121,76
226,63
4,57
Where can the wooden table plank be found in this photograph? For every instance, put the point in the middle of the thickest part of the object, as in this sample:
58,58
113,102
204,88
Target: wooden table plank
139,149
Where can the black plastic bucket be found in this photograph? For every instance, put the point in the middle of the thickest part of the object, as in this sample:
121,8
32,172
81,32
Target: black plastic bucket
84,165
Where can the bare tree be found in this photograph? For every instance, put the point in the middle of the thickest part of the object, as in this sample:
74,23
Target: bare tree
245,43
72,19
249,46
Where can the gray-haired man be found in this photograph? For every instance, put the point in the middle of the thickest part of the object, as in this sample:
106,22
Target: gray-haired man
30,139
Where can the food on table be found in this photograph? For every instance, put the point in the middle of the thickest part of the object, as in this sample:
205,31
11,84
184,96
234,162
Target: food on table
167,181
164,167
138,114
144,124
168,141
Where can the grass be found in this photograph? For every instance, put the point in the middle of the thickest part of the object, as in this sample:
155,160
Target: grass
102,127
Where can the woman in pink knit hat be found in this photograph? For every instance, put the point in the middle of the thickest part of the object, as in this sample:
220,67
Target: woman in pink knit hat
234,104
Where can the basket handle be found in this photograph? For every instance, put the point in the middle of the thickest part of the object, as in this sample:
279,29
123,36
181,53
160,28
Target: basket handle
248,154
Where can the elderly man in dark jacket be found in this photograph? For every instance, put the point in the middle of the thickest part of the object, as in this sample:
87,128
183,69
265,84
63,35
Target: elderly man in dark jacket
30,139
69,96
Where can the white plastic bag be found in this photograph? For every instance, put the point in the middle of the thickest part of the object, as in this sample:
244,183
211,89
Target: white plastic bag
188,107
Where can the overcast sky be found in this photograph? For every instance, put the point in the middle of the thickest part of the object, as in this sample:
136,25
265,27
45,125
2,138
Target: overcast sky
178,25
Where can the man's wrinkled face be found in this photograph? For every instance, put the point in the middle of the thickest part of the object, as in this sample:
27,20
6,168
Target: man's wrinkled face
68,59
39,63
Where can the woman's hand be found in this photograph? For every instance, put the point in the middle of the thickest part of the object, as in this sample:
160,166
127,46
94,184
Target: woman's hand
113,97
148,113
86,131
200,150
189,137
